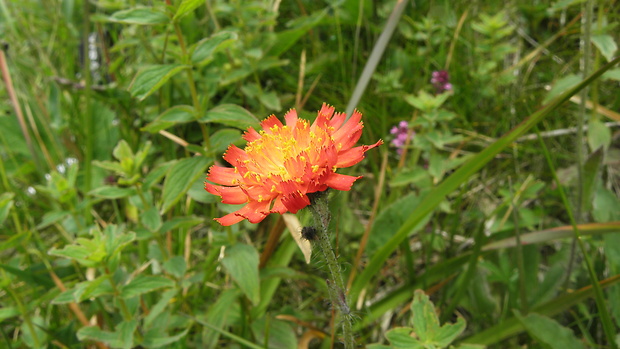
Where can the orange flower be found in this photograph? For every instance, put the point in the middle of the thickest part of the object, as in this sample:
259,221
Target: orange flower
281,164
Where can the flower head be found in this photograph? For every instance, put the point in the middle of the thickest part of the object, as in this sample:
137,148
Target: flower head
281,164
401,134
441,81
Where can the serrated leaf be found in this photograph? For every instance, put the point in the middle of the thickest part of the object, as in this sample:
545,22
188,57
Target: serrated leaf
231,115
109,192
606,44
401,338
122,337
179,114
203,51
181,176
241,262
176,266
141,15
144,284
152,78
186,7
549,332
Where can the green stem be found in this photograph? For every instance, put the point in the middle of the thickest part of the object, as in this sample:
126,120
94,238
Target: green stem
87,116
337,293
192,86
608,325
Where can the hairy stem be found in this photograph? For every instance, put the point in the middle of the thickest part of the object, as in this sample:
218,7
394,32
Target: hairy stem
337,294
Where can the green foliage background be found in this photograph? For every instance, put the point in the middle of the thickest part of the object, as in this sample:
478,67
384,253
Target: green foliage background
503,206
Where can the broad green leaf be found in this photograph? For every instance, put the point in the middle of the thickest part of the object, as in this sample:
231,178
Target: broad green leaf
270,100
561,85
39,337
109,192
241,262
186,7
219,315
141,15
176,266
6,202
231,115
52,217
29,275
435,196
612,74
8,312
222,139
513,326
402,338
156,175
151,219
549,332
181,176
157,338
390,219
179,114
85,251
180,222
599,135
144,284
281,335
203,51
157,309
152,78
426,323
287,38
606,44
122,337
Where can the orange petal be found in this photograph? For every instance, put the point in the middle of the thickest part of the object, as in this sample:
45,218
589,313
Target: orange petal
291,118
352,156
254,211
233,195
235,156
229,219
278,206
340,182
251,135
337,120
270,122
295,201
323,117
222,175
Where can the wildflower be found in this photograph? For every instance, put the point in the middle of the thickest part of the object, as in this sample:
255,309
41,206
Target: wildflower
281,164
441,81
401,133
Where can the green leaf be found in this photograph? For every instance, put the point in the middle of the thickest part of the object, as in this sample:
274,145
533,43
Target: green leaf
401,338
606,44
612,74
52,217
157,174
8,312
599,135
6,202
280,333
151,219
88,252
15,240
218,315
157,309
180,222
287,38
231,115
157,338
438,194
152,78
179,114
186,7
270,100
144,284
181,176
176,266
141,15
561,85
241,262
109,192
121,338
591,170
203,51
222,139
549,332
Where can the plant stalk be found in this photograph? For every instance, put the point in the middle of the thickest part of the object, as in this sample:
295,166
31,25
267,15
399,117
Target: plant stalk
335,284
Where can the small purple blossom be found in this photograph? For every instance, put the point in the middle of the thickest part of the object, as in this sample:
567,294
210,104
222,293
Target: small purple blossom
441,81
401,133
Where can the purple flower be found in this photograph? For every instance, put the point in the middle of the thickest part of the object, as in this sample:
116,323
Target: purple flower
401,133
441,81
